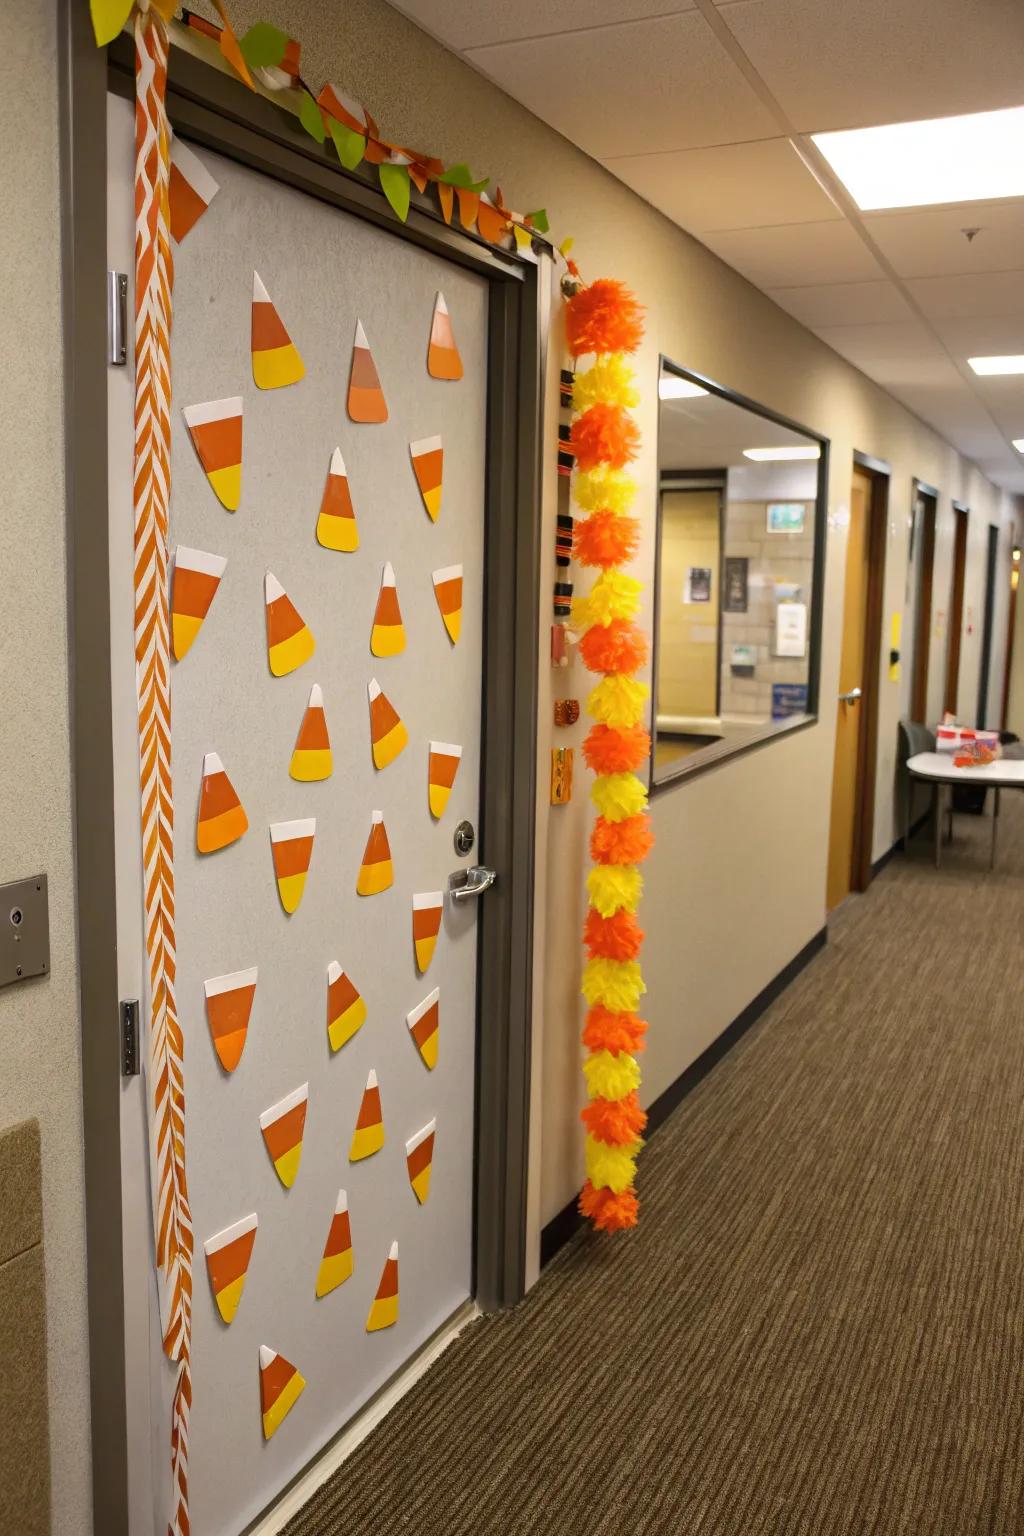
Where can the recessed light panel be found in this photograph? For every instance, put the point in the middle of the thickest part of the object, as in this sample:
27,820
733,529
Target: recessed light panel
991,365
763,455
1018,443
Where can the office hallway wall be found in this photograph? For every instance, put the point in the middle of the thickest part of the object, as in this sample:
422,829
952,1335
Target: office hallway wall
819,1324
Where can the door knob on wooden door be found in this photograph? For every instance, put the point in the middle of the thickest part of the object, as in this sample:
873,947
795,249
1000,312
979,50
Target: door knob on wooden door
464,883
851,697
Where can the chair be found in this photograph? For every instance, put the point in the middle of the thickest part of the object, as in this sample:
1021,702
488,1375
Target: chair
915,738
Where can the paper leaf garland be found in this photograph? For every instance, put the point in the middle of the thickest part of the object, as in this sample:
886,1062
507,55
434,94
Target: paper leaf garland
291,843
443,765
368,1136
426,925
448,591
387,637
312,759
384,1310
227,1262
428,467
424,1025
222,819
275,357
376,872
289,642
283,1126
419,1155
388,735
192,189
196,579
346,1011
280,1388
336,1265
216,430
336,524
443,360
366,401
229,1002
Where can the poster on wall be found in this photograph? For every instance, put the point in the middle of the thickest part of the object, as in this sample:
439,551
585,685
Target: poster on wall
698,584
788,699
791,629
786,516
735,597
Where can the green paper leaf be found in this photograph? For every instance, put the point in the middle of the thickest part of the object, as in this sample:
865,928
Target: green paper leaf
263,46
539,220
310,118
462,176
395,181
351,146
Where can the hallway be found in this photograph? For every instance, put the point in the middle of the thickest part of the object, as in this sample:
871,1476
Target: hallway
818,1327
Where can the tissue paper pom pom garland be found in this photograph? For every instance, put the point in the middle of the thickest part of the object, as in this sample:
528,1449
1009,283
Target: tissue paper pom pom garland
603,319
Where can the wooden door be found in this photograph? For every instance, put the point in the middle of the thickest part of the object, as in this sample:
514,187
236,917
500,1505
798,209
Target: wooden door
956,608
925,512
846,772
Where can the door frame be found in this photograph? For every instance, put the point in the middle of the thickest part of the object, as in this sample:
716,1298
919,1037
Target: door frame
924,543
988,622
958,586
1011,621
879,474
219,112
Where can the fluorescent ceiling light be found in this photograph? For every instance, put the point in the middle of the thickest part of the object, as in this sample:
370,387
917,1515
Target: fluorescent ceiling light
1018,443
672,387
997,364
941,160
763,455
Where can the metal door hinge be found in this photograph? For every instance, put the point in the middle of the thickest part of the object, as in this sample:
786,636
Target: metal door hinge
130,1037
117,318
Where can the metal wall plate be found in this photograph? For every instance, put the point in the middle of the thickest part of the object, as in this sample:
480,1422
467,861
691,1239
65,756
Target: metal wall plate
24,930
464,838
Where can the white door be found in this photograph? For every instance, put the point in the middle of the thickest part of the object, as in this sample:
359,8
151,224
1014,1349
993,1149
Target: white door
325,273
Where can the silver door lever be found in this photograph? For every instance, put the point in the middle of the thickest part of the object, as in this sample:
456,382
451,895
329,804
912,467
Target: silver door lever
851,697
464,883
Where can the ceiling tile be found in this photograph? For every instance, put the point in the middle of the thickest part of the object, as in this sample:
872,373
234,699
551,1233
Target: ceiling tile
793,255
983,337
843,303
626,90
929,242
733,186
468,24
876,343
968,296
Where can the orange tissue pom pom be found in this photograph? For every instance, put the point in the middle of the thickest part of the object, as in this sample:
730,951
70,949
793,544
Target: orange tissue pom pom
605,434
616,647
618,937
621,842
609,1212
618,1122
606,1030
611,749
603,317
606,538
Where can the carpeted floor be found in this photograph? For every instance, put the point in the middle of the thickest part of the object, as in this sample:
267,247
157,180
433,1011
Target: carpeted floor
818,1329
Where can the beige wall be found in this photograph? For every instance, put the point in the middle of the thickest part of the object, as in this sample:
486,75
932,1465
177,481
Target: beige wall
688,631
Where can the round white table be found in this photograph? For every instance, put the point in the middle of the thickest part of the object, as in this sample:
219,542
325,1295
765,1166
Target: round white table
937,768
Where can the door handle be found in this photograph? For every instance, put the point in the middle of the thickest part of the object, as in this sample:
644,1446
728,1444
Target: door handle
851,697
465,883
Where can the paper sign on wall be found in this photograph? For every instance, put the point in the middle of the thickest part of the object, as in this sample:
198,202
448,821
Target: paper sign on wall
791,629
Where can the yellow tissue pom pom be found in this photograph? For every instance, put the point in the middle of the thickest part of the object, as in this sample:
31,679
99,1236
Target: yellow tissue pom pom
610,381
613,596
610,1077
618,701
618,984
618,795
612,887
610,1167
603,487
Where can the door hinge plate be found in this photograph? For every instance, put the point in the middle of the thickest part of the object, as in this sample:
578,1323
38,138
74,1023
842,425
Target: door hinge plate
130,1037
117,319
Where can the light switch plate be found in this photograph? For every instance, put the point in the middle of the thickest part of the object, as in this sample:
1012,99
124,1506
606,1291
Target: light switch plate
24,930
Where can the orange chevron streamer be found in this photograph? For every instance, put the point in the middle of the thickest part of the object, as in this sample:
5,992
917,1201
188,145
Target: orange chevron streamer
443,360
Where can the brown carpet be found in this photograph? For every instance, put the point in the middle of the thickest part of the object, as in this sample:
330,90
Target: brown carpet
818,1329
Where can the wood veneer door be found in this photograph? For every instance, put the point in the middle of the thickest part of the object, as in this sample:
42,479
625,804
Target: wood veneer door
850,716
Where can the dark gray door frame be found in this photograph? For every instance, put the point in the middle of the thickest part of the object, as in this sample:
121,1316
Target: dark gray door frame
219,112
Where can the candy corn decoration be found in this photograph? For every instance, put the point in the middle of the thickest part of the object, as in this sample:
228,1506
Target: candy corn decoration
376,872
368,1136
282,1126
216,429
419,1154
387,637
191,190
384,1311
280,1388
424,1025
275,357
196,579
336,1264
312,760
428,467
443,765
443,360
426,925
291,843
221,817
228,1008
388,736
346,1011
336,525
227,1261
289,641
448,591
366,401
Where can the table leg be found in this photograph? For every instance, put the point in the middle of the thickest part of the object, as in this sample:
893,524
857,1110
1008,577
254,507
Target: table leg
995,828
937,818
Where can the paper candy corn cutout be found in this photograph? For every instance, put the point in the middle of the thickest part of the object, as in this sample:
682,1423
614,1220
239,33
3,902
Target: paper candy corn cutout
280,1387
428,467
282,1126
442,767
216,429
312,760
426,925
336,525
365,397
227,1260
346,1011
196,579
388,736
384,1311
336,1264
191,191
424,1026
275,357
228,1007
291,843
448,591
376,872
368,1136
289,642
221,817
387,637
443,360
419,1154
